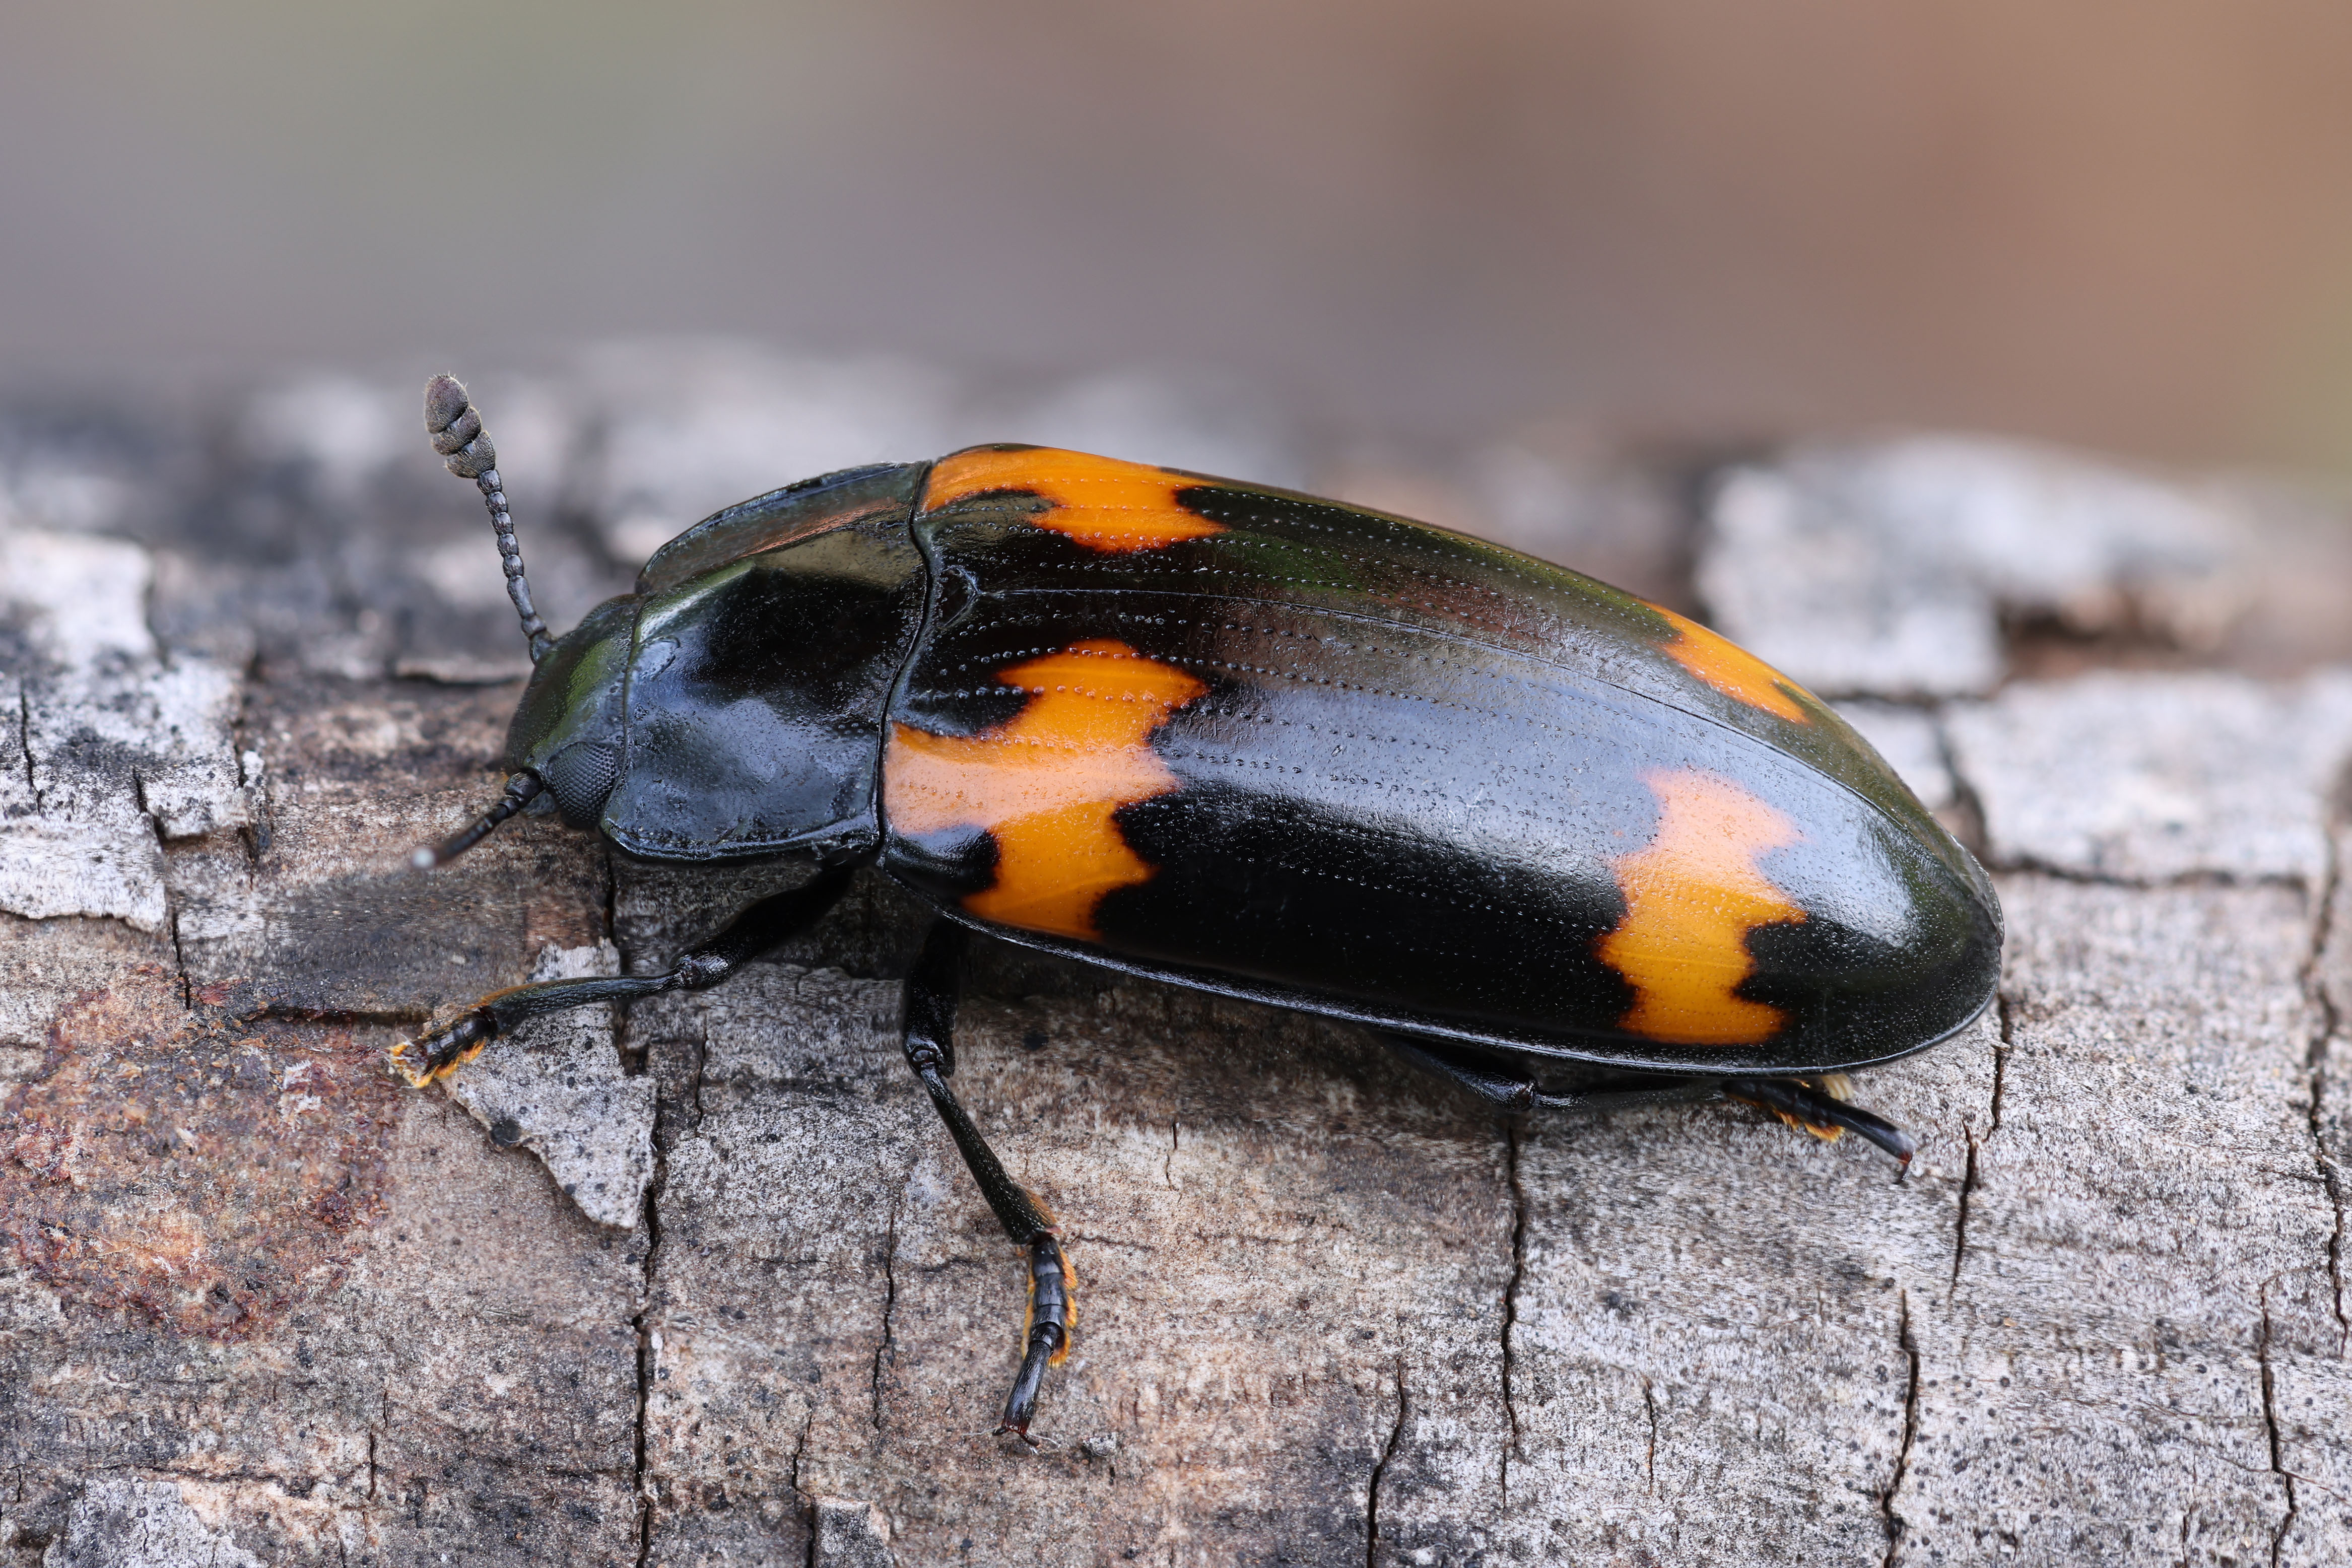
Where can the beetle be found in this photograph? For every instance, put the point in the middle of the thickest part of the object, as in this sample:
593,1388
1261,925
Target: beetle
1255,743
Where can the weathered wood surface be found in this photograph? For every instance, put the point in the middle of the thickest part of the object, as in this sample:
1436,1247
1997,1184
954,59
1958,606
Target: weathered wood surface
259,1304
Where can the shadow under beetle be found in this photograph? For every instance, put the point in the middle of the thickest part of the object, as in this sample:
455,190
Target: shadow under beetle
1255,743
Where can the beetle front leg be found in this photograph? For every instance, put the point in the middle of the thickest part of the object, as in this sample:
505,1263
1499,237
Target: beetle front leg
932,990
444,1047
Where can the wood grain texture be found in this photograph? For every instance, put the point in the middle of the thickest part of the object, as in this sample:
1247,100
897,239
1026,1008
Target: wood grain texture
1328,1313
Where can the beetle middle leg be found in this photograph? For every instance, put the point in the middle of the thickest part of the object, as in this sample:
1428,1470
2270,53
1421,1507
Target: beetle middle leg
932,991
1509,1086
442,1049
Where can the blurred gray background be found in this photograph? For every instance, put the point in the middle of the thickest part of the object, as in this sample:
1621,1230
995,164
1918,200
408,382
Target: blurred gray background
2127,225
1742,307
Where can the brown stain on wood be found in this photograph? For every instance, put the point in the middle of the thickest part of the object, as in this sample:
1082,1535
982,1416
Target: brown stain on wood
1046,784
1692,896
206,1172
1732,669
1105,504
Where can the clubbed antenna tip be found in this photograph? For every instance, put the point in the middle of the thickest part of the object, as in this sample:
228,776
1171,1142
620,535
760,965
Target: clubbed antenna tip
465,447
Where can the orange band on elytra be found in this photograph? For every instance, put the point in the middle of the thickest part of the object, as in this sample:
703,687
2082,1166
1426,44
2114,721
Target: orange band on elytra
1692,896
1046,784
1730,668
1103,503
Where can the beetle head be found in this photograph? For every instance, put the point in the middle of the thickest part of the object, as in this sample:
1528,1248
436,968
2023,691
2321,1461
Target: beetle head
565,745
567,731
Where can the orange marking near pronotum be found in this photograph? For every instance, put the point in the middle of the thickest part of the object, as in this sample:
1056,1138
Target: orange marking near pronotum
1046,784
1730,668
1105,504
1690,898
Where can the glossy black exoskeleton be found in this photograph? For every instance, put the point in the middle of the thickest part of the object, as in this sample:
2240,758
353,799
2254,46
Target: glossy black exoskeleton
1255,743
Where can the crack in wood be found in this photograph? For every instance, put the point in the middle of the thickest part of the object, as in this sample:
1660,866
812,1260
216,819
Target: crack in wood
648,1351
808,1503
170,901
25,743
1972,1178
2317,1060
340,1018
2331,1180
2271,1427
700,1064
1511,1300
1379,1471
179,957
253,834
800,1448
2006,1023
1895,1522
1650,1455
886,1346
1969,1179
2036,866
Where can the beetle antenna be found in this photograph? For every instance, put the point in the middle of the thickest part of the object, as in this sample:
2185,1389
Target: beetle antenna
464,446
520,790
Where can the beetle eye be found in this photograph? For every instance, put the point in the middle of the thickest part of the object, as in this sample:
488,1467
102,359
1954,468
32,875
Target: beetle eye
581,777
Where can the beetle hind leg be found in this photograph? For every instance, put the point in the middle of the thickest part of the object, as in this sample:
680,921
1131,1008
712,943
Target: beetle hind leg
1815,1106
930,1007
1509,1086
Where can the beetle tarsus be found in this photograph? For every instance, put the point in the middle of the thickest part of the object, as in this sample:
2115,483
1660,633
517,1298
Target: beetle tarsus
1602,1100
1048,1335
438,1053
1502,1086
1802,1104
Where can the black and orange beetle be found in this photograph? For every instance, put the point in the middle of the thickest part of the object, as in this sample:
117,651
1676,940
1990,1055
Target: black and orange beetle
1255,743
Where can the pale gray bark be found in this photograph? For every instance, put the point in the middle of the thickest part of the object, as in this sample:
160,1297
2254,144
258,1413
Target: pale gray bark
258,1300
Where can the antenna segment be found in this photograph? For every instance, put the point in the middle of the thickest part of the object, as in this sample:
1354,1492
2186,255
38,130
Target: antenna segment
521,789
465,447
